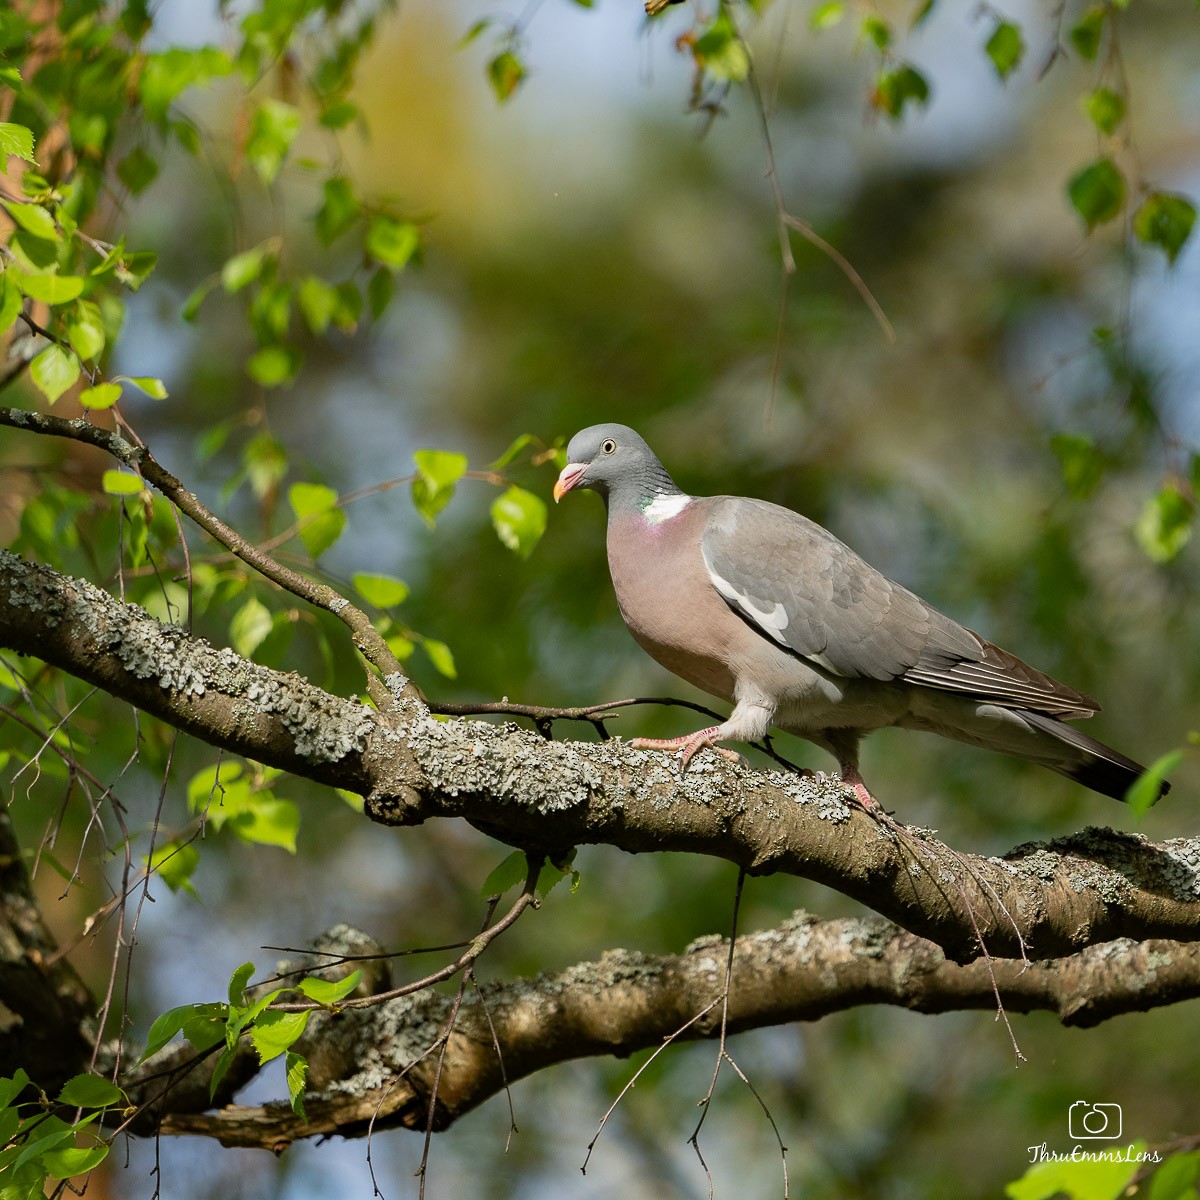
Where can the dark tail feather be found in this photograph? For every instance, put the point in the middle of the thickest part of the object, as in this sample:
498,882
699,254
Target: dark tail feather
1103,769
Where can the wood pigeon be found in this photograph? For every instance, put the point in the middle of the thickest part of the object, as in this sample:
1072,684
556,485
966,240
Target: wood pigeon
762,607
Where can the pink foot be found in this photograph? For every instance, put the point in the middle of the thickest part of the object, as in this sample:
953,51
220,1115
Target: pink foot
691,744
853,780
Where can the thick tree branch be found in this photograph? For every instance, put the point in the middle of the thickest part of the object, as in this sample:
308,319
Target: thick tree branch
801,971
1048,900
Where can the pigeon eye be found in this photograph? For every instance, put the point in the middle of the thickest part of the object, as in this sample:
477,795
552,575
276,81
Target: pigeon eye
607,446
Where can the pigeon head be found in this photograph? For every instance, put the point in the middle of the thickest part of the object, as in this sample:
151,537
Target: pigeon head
614,461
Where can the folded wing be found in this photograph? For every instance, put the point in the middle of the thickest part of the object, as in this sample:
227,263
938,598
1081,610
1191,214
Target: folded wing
797,585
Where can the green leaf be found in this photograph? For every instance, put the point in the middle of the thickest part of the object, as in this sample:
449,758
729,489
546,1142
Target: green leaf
329,991
175,863
519,518
321,523
721,52
11,302
54,1132
137,170
264,820
826,16
437,473
121,483
1085,1179
296,1067
48,288
163,1030
441,657
33,219
1082,464
191,306
54,370
85,329
1176,1178
266,463
209,784
1085,35
473,32
339,209
380,289
318,302
349,306
1165,220
338,116
167,75
391,242
223,1063
274,1032
506,73
154,388
238,981
133,269
898,87
877,31
401,647
1143,793
90,1091
243,269
509,873
1005,48
551,875
250,626
71,1161
202,1024
352,799
16,139
1097,193
1104,108
515,447
273,128
922,13
383,591
1165,524
273,366
11,1086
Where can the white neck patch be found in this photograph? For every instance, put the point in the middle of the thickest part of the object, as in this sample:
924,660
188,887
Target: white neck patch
663,508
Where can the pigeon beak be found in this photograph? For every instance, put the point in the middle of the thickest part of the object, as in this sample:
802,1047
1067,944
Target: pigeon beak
572,473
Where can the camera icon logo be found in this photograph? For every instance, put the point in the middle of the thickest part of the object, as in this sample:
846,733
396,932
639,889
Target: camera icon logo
1093,1121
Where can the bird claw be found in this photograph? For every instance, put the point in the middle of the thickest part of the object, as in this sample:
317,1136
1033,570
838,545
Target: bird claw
690,744
853,781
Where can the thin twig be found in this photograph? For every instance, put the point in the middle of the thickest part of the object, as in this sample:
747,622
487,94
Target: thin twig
138,458
694,1140
632,1082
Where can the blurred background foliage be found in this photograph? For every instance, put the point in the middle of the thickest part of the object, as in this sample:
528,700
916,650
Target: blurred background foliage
590,250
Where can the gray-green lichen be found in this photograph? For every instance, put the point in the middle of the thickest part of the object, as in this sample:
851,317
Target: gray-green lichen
324,728
515,766
374,1045
1181,866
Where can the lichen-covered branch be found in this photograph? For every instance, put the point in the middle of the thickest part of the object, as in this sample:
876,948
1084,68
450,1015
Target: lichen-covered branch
1046,900
372,1064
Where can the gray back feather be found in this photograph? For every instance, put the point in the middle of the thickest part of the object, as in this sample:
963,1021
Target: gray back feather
799,586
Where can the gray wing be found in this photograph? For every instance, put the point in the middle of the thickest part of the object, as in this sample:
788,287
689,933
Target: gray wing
796,584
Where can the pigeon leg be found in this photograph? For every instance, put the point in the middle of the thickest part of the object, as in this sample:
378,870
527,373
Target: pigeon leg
691,744
853,780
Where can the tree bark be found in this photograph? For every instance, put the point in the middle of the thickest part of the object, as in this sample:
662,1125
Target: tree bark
801,971
1040,899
